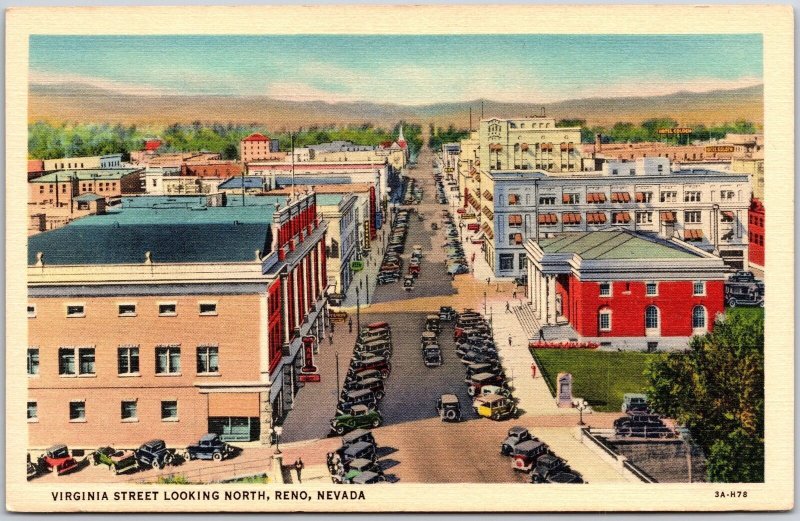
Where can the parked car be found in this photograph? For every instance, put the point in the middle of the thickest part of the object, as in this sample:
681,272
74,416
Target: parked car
743,289
360,376
432,355
428,338
154,453
485,367
350,399
359,450
552,469
387,277
408,282
526,454
118,461
358,466
360,417
641,424
481,379
414,270
448,407
368,478
446,314
378,363
373,348
634,402
476,357
33,469
372,384
357,436
432,323
495,407
211,447
58,460
516,435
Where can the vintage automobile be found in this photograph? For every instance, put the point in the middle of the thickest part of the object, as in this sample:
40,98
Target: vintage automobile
473,369
552,469
417,249
350,399
526,454
516,435
432,323
154,453
428,338
378,363
358,466
481,379
495,407
448,408
357,436
414,269
432,355
368,478
360,417
58,460
446,313
371,335
477,357
642,424
372,384
33,469
377,326
359,450
118,461
211,447
408,282
377,347
634,402
743,289
360,376
387,277
457,269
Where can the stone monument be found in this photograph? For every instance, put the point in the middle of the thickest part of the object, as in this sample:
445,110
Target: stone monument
564,389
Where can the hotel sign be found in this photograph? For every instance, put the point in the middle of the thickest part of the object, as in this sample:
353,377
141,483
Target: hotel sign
719,148
674,131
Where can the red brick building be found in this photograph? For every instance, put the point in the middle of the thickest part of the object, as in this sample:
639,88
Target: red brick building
255,147
756,233
624,289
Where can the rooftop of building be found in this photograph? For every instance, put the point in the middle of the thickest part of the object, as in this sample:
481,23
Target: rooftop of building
338,188
340,146
615,245
249,182
255,136
182,229
88,197
540,175
85,175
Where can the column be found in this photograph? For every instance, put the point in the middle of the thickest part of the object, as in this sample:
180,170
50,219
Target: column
285,307
551,299
265,418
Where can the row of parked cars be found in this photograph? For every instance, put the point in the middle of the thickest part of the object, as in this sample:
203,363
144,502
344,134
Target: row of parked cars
456,261
363,388
152,454
392,265
529,454
356,461
441,198
412,193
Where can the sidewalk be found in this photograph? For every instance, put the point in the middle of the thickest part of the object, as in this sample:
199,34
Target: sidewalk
366,279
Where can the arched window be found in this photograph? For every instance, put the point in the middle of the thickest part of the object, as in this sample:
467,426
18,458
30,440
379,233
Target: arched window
651,317
699,317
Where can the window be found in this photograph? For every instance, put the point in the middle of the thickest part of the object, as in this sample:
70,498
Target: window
644,197
167,309
86,361
691,197
506,261
515,239
128,360
207,359
604,320
547,199
66,361
31,310
699,288
77,411
128,411
660,168
644,217
523,261
513,199
33,362
571,198
699,317
208,308
514,221
727,195
651,317
168,360
75,310
651,289
126,310
692,217
669,197
33,412
605,289
169,411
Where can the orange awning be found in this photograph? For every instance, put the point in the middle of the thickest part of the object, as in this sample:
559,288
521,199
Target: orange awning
668,217
596,218
518,238
640,197
693,235
571,218
620,197
548,218
622,217
514,220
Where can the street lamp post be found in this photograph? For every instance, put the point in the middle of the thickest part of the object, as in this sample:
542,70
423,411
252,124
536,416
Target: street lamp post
338,391
581,405
278,430
484,303
358,311
367,286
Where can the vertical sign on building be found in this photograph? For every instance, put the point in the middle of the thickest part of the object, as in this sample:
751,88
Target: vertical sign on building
367,226
370,231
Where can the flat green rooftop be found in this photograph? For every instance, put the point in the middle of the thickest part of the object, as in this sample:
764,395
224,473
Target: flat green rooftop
613,245
85,175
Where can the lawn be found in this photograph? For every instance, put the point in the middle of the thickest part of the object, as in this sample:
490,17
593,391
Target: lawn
599,377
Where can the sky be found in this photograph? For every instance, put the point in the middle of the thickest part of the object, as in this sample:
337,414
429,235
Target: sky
401,69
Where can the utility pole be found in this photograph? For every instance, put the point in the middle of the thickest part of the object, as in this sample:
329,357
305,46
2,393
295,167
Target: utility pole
291,140
470,119
358,311
338,391
481,109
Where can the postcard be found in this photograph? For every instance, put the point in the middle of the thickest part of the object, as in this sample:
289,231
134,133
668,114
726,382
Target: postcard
394,258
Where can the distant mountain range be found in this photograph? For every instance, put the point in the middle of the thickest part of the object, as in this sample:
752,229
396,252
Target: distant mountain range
73,102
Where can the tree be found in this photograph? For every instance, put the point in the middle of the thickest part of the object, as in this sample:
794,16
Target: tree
716,389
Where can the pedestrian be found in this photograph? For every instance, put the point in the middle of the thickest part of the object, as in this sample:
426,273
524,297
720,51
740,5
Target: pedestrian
350,325
508,307
333,327
509,341
488,280
533,370
330,338
541,334
298,467
514,295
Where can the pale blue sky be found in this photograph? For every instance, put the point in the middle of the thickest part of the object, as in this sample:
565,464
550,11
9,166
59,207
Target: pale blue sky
414,69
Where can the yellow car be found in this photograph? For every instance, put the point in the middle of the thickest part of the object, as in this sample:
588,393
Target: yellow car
495,407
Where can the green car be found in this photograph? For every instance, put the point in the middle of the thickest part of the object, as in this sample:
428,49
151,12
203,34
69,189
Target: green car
360,417
118,461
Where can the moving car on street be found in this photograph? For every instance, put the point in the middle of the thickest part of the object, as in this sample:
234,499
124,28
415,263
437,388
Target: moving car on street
428,338
432,323
360,417
743,289
118,461
446,314
211,447
448,408
432,355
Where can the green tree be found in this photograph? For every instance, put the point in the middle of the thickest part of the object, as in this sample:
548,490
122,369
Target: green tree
716,389
738,458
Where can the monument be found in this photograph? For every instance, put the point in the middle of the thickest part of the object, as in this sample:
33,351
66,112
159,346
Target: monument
564,389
